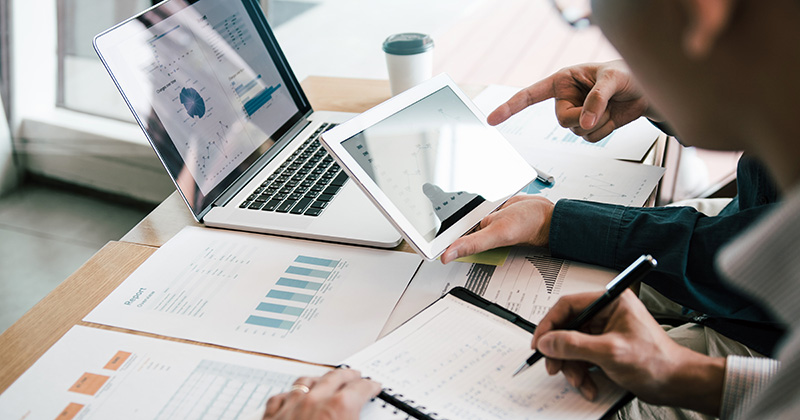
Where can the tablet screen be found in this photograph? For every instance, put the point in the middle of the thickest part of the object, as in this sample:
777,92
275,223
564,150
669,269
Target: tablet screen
434,160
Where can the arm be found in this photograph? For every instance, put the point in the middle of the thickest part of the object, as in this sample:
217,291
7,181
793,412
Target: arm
683,240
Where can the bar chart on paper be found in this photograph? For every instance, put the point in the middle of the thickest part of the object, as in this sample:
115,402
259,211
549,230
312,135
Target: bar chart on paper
302,285
255,292
528,283
551,270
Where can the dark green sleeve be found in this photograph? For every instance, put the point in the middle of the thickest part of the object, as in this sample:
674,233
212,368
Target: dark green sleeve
683,240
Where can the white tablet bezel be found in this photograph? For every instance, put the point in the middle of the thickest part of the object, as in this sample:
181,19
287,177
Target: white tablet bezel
430,250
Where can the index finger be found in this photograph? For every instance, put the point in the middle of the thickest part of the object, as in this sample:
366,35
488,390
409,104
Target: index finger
532,94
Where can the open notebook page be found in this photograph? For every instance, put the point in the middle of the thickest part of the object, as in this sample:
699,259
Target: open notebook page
456,360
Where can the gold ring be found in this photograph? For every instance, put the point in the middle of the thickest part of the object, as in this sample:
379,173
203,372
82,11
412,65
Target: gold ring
298,387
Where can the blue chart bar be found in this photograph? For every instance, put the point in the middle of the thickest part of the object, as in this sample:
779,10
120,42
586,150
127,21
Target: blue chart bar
295,297
279,309
322,262
300,284
300,271
603,142
253,105
570,138
269,322
244,88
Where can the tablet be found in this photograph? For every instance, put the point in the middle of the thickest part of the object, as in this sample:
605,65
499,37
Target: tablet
430,162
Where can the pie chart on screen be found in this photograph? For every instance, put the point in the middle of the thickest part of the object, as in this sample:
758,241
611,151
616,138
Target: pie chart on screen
193,102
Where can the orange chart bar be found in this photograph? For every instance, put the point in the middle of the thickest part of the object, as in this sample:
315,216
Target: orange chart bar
117,360
70,412
89,384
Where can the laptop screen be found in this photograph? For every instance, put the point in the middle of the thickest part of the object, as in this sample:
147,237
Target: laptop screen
208,84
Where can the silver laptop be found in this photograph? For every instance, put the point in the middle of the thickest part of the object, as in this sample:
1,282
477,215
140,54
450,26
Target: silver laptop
215,96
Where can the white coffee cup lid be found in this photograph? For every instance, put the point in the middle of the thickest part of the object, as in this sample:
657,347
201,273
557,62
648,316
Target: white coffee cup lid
407,44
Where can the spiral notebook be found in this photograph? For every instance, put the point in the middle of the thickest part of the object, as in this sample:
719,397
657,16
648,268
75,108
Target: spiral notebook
455,359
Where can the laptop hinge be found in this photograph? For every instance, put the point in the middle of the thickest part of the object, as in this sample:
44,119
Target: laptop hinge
259,164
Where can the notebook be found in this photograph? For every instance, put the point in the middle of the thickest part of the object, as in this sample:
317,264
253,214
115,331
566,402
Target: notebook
210,87
455,359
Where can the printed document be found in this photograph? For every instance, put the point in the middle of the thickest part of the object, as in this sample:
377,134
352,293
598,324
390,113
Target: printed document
598,179
529,283
299,299
457,360
99,374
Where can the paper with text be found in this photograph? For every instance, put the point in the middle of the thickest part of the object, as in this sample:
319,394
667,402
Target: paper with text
300,299
529,283
457,360
99,374
603,180
536,128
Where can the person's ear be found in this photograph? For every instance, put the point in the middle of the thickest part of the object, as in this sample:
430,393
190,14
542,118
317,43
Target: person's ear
707,21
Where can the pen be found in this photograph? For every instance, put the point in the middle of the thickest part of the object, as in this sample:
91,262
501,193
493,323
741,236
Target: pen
614,288
544,178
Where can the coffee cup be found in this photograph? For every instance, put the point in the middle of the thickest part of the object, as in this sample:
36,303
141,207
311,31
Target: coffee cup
409,59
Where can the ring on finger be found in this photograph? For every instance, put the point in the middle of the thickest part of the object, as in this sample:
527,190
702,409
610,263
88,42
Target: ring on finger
299,387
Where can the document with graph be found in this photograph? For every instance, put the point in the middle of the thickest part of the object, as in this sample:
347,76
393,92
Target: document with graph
456,359
99,374
598,179
273,295
529,283
536,128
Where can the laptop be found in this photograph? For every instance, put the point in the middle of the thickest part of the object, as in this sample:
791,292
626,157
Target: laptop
219,103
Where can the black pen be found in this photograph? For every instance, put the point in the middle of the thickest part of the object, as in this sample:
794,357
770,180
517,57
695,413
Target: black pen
614,288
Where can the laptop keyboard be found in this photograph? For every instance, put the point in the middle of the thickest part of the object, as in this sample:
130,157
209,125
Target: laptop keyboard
304,184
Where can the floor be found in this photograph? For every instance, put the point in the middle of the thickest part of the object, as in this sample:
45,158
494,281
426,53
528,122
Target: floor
47,232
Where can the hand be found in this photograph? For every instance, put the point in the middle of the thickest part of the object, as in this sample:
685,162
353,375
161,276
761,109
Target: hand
523,219
592,100
633,350
339,394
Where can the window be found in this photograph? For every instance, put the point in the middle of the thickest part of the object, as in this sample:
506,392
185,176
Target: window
83,83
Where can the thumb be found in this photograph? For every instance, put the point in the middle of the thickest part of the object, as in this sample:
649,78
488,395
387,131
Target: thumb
473,243
596,101
575,345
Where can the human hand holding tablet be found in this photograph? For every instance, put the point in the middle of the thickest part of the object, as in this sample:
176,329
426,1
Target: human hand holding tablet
430,162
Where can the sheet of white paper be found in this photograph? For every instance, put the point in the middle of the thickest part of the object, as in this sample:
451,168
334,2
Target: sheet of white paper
593,178
536,128
457,360
300,299
99,374
529,284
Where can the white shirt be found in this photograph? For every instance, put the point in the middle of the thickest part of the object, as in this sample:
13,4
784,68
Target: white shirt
765,263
